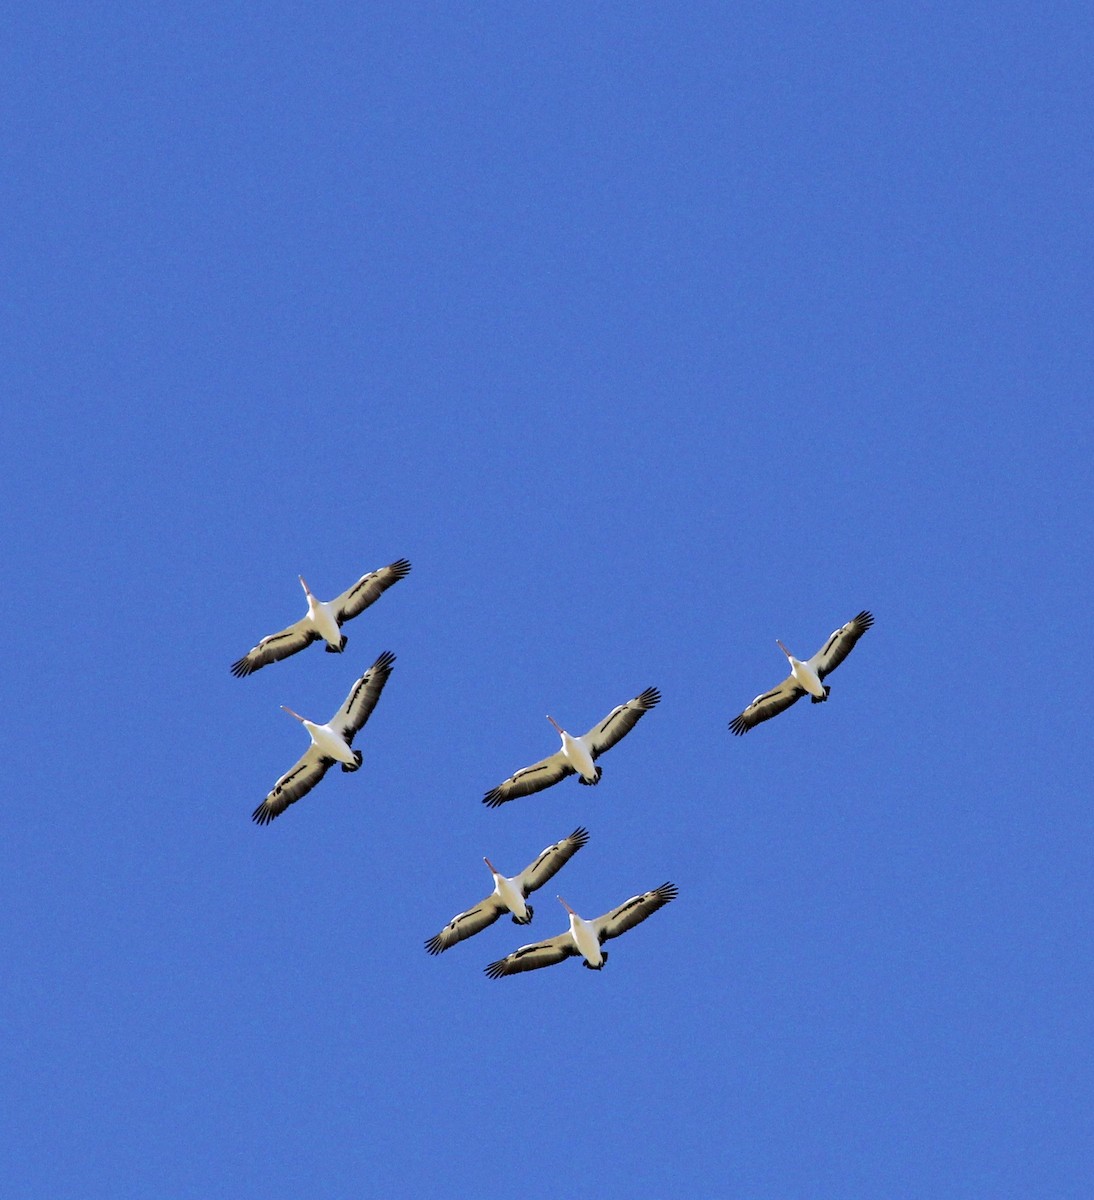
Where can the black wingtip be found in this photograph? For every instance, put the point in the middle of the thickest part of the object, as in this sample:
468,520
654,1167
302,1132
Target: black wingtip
864,619
263,814
580,835
493,798
650,697
383,663
433,945
496,969
738,726
242,667
400,568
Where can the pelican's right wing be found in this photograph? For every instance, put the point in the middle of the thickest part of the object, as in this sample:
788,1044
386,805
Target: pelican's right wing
530,779
530,958
467,924
292,785
276,647
770,704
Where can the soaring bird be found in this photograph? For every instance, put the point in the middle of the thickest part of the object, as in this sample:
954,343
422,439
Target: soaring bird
509,894
584,937
323,620
330,743
804,676
577,755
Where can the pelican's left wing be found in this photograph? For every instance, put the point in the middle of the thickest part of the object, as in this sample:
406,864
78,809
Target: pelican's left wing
362,697
530,958
551,861
634,911
292,785
619,722
368,589
530,779
840,644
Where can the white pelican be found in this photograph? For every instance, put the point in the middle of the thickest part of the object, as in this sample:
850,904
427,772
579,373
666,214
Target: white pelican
804,676
584,937
330,743
322,620
509,894
578,754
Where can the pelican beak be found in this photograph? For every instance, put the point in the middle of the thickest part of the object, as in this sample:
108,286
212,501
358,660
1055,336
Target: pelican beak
782,648
304,585
554,722
566,906
287,709
490,865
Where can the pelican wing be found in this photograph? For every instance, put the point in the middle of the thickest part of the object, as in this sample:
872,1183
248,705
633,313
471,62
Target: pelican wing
276,647
467,924
530,779
840,644
362,698
551,861
634,911
769,705
368,589
619,722
530,958
292,785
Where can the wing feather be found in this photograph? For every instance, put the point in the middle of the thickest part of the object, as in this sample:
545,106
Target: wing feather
534,956
531,779
634,911
276,647
551,861
368,589
296,782
619,722
362,698
467,924
770,704
840,643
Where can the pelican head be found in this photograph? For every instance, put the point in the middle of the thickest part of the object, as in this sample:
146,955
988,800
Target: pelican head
555,723
566,906
783,648
287,709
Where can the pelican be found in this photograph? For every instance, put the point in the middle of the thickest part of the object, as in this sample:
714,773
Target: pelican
804,676
578,754
330,743
509,894
584,937
322,620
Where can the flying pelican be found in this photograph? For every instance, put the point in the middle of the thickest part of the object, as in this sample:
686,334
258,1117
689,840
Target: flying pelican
322,620
509,894
584,937
578,754
330,743
804,676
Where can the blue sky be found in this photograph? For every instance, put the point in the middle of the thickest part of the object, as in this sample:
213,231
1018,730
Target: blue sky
649,334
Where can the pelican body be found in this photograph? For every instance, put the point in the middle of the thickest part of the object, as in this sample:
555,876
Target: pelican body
584,938
330,743
323,621
805,678
577,755
509,894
